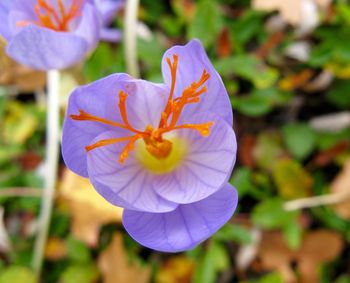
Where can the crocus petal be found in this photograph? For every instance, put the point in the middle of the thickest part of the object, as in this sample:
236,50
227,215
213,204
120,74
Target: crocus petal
192,61
110,35
99,99
43,49
207,165
145,103
89,26
108,9
4,27
128,181
186,226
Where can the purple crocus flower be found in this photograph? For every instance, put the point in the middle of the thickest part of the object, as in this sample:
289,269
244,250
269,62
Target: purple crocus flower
165,156
55,34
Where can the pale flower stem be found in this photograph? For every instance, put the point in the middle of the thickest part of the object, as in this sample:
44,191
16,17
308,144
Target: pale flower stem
130,37
51,164
328,199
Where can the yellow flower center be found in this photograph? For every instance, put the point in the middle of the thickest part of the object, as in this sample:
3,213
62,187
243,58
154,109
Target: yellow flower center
161,165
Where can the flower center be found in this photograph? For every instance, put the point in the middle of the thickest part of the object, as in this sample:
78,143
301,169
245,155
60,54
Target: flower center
56,18
154,141
161,165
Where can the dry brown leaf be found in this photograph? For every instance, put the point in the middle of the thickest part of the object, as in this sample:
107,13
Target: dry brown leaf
22,77
178,269
224,45
341,185
117,268
275,254
89,210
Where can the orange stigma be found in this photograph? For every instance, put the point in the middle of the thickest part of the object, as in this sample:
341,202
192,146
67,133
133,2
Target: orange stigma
56,18
156,145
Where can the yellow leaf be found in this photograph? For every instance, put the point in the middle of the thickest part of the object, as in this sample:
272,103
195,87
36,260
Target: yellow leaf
55,249
117,268
291,179
89,210
178,269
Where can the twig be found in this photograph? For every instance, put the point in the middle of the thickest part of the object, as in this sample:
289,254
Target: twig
317,201
20,192
130,34
51,163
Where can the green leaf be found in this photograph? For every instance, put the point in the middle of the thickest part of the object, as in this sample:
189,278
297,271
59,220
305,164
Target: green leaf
213,261
77,250
80,273
249,68
251,105
17,274
270,214
206,23
268,149
271,278
300,139
339,94
232,232
293,233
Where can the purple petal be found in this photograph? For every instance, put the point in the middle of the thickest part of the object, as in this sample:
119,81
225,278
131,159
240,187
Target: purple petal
99,99
128,182
109,9
110,35
192,61
4,27
145,103
207,165
186,226
44,49
89,26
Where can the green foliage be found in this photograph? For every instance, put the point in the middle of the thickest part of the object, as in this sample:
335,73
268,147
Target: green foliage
300,139
214,260
206,23
236,233
80,273
17,274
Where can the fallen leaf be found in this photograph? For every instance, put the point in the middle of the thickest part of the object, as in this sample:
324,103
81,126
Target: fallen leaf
274,254
245,154
117,268
25,79
178,269
327,156
224,46
341,185
294,12
89,210
295,81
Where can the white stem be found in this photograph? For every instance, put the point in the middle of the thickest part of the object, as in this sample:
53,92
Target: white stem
130,34
317,201
51,163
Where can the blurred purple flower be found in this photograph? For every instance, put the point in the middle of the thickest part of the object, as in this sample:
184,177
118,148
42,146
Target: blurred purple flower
175,145
55,34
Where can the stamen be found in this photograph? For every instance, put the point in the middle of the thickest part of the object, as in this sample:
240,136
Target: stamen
129,146
106,142
169,105
48,17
